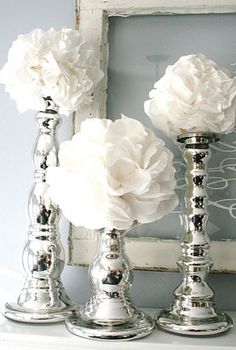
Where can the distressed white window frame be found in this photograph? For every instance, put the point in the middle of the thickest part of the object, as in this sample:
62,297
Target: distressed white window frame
92,21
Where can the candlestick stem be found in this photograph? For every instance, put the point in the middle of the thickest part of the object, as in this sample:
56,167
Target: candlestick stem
43,297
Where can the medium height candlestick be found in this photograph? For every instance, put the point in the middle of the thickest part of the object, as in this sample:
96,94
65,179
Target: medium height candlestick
110,314
194,311
43,298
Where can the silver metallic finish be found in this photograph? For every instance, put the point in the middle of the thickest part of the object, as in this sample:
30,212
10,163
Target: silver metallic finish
194,311
110,314
43,298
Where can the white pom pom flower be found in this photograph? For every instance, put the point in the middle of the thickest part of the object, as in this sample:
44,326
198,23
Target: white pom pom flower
113,174
56,64
194,95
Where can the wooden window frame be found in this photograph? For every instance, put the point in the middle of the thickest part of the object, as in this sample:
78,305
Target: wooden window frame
92,19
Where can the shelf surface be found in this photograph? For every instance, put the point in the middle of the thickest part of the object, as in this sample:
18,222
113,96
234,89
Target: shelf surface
14,335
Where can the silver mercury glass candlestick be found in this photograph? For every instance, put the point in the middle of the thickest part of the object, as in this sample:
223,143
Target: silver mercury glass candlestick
110,314
43,298
194,311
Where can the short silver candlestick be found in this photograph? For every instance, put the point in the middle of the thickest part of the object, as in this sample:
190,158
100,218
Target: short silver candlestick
110,314
43,298
194,311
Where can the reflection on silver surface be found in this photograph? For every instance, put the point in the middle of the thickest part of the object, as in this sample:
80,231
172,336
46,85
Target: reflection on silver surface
43,298
110,314
193,311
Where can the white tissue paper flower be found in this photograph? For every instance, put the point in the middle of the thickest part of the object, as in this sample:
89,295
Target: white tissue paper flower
113,174
58,64
194,95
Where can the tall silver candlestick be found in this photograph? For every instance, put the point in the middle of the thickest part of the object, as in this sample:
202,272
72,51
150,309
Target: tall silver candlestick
193,311
110,314
43,298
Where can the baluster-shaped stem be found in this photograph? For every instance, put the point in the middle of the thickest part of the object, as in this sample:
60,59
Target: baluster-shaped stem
43,298
110,314
111,279
194,311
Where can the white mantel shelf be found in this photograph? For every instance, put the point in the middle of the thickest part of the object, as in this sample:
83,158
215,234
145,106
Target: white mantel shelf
18,336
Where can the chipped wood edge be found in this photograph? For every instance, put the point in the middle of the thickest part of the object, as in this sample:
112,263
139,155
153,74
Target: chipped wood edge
150,7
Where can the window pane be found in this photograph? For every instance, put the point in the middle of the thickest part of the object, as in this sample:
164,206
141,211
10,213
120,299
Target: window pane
140,49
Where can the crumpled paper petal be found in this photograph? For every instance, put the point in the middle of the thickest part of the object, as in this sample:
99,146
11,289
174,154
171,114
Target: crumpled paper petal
194,95
113,174
51,63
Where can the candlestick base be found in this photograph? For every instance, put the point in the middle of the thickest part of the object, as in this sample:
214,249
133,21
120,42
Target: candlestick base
16,313
187,325
140,325
42,301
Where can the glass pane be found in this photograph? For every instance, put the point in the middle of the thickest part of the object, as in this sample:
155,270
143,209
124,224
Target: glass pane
141,47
